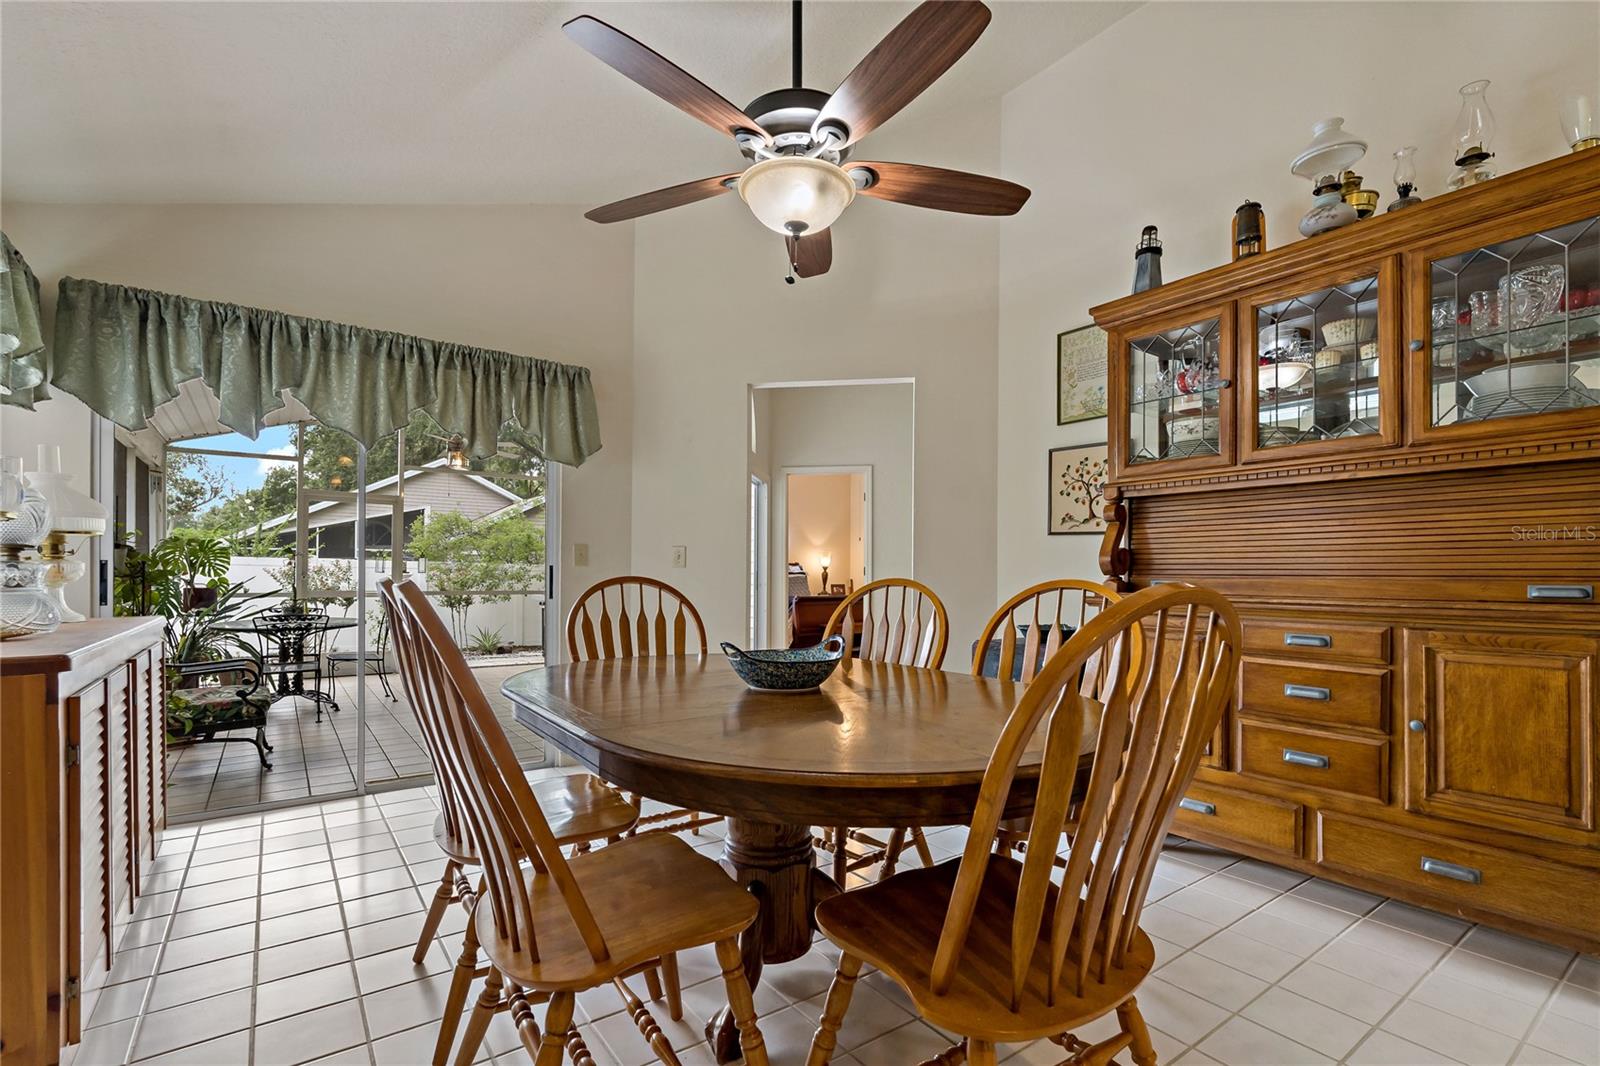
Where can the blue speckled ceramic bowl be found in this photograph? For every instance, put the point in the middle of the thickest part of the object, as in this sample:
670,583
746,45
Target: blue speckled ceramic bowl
786,669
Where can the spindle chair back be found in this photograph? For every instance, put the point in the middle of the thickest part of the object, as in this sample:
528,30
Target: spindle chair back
503,817
901,621
633,617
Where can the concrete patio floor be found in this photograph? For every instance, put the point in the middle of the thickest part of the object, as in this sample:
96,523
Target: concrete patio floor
312,759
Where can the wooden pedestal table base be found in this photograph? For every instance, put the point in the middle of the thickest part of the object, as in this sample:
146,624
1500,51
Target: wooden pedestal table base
777,864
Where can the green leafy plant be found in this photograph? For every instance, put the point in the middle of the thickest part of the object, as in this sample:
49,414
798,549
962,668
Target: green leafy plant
477,562
195,636
171,577
486,642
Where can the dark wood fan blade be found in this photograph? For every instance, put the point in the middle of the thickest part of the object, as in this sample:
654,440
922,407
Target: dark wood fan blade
811,255
660,75
911,58
650,202
943,190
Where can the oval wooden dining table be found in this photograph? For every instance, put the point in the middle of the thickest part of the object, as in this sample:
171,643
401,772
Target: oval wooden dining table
877,745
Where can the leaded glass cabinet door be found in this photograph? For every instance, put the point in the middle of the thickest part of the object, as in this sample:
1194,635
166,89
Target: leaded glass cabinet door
1319,363
1175,378
1508,334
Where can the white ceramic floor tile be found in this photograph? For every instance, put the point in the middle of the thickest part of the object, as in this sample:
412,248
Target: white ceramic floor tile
1455,1037
1307,1022
1241,1042
1212,981
338,909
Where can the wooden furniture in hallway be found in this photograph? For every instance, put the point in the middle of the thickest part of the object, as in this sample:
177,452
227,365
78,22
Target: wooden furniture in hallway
579,807
558,926
635,632
1393,474
895,620
879,743
989,948
82,809
808,618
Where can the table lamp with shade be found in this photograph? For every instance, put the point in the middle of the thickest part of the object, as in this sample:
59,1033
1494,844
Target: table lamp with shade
824,560
73,517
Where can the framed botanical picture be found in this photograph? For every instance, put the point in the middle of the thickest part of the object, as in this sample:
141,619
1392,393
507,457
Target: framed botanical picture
1080,375
1078,488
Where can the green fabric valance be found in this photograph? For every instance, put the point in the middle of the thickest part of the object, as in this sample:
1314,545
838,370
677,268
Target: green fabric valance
26,367
125,351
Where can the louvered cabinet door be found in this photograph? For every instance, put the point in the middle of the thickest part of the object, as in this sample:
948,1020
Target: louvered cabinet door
1500,730
86,814
120,793
149,808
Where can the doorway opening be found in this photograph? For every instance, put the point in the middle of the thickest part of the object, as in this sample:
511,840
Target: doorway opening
839,459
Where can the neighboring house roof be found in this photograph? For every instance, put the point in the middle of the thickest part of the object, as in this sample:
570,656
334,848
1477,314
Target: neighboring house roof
426,470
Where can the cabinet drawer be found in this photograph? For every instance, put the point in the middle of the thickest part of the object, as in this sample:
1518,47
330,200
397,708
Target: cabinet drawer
1311,640
1261,820
1343,696
1472,874
1315,759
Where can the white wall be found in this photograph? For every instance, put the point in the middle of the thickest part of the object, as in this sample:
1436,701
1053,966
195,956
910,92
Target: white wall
911,295
1177,114
536,280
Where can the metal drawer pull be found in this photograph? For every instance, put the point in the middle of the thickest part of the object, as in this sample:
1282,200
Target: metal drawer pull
1451,870
1305,758
1307,692
1307,640
1197,806
1560,592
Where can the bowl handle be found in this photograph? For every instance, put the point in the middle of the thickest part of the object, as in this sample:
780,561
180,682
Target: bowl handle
731,652
834,643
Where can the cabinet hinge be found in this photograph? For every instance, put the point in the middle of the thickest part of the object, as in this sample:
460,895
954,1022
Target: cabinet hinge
72,988
72,755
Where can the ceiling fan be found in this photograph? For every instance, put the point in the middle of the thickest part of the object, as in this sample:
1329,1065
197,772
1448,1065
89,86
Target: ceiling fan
799,140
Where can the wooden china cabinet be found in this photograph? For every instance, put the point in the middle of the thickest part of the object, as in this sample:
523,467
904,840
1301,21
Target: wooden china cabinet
1384,444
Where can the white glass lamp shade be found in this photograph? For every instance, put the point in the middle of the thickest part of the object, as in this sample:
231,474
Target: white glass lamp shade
796,195
824,560
71,512
1332,150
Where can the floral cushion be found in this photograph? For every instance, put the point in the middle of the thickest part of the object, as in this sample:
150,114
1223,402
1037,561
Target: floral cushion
213,707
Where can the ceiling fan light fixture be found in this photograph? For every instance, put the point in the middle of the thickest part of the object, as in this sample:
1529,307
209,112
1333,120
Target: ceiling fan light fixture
796,195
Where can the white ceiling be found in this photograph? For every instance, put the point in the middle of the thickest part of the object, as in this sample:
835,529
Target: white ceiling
344,102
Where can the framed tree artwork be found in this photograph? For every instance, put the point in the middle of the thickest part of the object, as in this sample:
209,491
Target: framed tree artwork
1080,375
1078,488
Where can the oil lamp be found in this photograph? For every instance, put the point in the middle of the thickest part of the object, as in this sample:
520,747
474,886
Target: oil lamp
1332,150
1474,132
1405,179
73,516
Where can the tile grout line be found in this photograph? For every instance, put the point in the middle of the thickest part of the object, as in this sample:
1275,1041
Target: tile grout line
1544,1008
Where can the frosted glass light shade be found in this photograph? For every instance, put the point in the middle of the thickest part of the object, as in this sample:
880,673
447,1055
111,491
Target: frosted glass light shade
795,195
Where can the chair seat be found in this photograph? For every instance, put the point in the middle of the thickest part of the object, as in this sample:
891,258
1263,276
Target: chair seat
214,707
579,807
650,896
894,925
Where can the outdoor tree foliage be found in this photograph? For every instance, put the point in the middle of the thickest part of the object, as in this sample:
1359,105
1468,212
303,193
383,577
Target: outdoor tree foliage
477,562
200,496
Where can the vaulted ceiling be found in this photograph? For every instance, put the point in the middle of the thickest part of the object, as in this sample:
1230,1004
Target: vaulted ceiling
332,102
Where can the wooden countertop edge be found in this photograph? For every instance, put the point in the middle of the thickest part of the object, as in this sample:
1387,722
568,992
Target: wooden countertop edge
78,645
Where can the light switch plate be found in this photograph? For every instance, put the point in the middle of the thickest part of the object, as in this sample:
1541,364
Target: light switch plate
680,556
580,555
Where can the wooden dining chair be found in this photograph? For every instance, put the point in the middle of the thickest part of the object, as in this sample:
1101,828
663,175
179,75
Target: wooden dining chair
988,947
634,617
1042,615
558,926
579,807
895,620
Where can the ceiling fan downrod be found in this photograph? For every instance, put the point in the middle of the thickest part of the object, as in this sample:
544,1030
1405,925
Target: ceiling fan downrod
796,7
